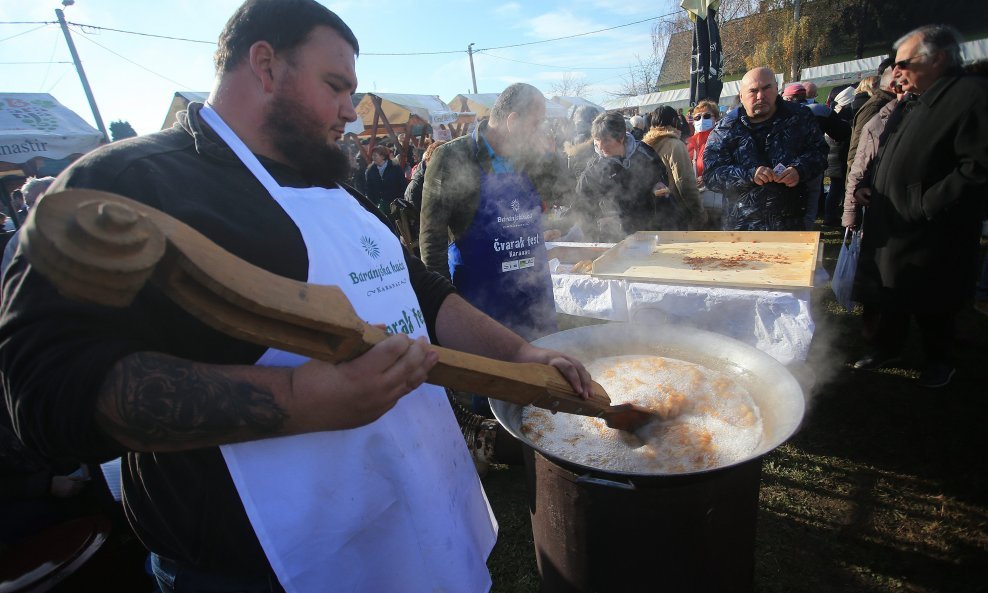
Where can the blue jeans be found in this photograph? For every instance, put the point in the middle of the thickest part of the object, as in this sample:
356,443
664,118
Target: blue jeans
176,577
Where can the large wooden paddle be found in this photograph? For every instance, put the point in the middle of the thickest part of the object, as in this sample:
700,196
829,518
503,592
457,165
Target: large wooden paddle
103,248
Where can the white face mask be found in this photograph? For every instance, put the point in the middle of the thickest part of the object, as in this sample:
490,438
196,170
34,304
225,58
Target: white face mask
703,125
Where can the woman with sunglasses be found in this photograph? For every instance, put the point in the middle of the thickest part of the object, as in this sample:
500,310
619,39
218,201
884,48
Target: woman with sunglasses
705,116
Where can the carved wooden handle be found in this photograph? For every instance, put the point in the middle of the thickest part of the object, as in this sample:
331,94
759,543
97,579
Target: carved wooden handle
103,248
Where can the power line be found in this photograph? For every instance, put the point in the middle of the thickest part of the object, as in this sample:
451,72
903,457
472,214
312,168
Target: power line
22,33
163,77
548,66
662,16
420,53
58,80
417,53
23,63
54,48
483,49
98,28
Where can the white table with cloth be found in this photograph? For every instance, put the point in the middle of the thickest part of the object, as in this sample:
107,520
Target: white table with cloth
777,322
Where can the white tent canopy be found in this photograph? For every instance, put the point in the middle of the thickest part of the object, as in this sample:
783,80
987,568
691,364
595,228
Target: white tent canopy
180,102
36,125
571,103
854,70
399,108
675,98
617,103
841,73
974,51
481,104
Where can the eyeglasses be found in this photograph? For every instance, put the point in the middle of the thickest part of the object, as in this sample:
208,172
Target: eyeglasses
702,116
904,64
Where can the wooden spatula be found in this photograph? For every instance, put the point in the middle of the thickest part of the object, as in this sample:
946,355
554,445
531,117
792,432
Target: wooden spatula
103,248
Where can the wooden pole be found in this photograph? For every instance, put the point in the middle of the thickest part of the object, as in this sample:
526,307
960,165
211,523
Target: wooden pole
82,74
373,138
473,76
384,118
794,71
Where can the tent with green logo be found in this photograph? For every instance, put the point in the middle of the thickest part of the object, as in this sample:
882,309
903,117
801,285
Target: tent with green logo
39,136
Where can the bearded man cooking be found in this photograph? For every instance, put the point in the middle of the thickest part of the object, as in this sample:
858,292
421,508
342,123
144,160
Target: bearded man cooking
250,469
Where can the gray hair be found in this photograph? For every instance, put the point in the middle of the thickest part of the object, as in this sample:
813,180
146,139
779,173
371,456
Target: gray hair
637,121
936,38
886,81
610,125
517,98
33,188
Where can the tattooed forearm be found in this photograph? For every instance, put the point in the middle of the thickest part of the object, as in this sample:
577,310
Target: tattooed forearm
156,402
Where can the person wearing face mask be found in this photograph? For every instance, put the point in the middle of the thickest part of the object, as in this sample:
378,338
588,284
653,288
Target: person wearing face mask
704,118
665,140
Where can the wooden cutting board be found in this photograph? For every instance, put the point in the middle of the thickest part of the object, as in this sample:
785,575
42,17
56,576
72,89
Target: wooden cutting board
760,259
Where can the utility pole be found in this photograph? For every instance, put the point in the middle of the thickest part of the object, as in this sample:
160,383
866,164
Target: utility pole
472,75
82,74
796,50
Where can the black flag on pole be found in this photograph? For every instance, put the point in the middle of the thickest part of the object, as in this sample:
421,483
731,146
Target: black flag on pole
706,65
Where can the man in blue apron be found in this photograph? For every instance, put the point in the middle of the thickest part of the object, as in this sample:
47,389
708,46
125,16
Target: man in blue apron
481,222
253,469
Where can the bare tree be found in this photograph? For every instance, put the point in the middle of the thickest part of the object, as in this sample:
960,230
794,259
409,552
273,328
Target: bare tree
641,78
570,85
736,44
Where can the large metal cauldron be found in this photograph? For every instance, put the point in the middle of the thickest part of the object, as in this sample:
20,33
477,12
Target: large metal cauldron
606,531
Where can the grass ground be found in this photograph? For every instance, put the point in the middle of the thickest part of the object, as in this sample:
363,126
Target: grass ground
882,490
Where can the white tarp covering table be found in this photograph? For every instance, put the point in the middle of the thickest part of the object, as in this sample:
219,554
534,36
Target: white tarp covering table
777,322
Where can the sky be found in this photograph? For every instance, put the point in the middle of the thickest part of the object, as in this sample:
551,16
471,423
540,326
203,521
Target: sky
134,77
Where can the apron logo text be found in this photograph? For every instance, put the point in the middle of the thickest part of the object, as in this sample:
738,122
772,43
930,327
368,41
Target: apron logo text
410,320
386,287
519,243
379,272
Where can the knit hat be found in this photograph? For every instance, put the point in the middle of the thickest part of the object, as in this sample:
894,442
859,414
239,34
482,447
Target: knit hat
794,90
845,97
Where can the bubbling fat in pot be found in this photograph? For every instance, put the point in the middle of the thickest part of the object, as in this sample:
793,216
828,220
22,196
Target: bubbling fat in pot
709,420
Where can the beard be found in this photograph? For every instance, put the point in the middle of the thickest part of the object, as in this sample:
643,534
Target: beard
293,132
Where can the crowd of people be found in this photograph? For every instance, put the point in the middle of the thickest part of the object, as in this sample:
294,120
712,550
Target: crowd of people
377,467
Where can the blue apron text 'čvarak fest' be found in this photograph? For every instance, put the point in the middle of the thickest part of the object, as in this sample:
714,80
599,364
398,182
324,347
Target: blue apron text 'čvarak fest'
500,264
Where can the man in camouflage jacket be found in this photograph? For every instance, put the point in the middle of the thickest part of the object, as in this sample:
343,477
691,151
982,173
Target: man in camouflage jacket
761,156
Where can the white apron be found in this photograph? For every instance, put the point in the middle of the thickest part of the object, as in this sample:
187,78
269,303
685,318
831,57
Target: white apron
389,507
